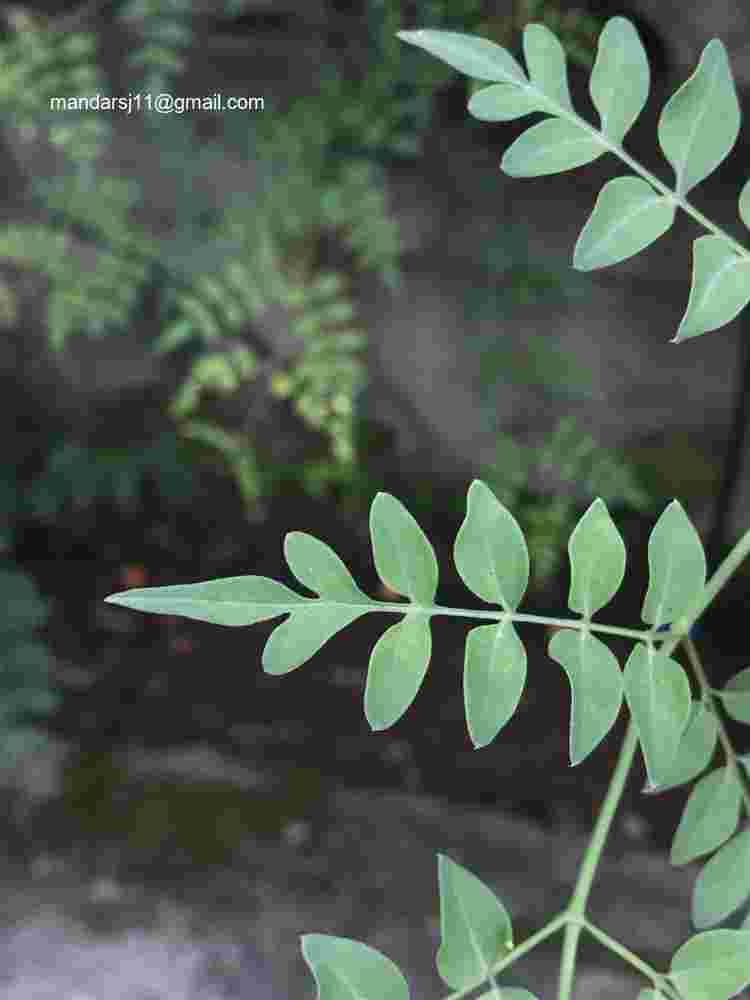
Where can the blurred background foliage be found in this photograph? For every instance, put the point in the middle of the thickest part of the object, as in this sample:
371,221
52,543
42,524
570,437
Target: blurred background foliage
205,279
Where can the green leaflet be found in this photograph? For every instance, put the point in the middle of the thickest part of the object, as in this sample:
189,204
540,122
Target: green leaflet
700,122
398,664
712,966
235,600
597,560
494,679
694,752
621,78
736,696
628,216
596,688
723,884
720,288
404,558
657,691
550,147
476,57
502,102
349,970
475,928
677,567
545,62
317,567
294,641
744,204
490,551
648,994
710,816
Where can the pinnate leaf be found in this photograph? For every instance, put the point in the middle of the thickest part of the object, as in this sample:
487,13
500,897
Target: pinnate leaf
233,600
712,966
404,558
475,927
700,122
621,78
677,566
494,679
490,551
720,288
658,696
350,970
710,816
597,560
550,147
596,688
317,567
502,102
294,641
695,750
545,62
628,216
398,664
723,884
478,58
736,696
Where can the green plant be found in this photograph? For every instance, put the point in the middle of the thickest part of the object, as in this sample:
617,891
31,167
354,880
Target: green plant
677,733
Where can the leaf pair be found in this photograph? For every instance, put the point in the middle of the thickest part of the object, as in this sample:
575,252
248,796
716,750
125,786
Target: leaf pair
697,130
476,934
475,930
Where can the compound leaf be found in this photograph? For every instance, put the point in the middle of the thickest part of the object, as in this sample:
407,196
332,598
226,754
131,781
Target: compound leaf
404,558
597,560
502,102
494,678
700,122
490,551
712,965
398,664
596,688
723,884
350,970
545,62
628,216
475,927
677,566
736,696
294,641
720,288
658,696
550,147
695,750
710,816
317,567
620,80
478,58
234,600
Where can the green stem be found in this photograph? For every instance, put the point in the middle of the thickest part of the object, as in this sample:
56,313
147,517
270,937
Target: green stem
726,743
436,609
577,905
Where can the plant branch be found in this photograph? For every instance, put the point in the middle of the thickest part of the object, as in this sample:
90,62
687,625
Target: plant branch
726,743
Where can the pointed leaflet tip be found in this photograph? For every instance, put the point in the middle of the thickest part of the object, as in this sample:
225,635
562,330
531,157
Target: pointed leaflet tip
477,58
